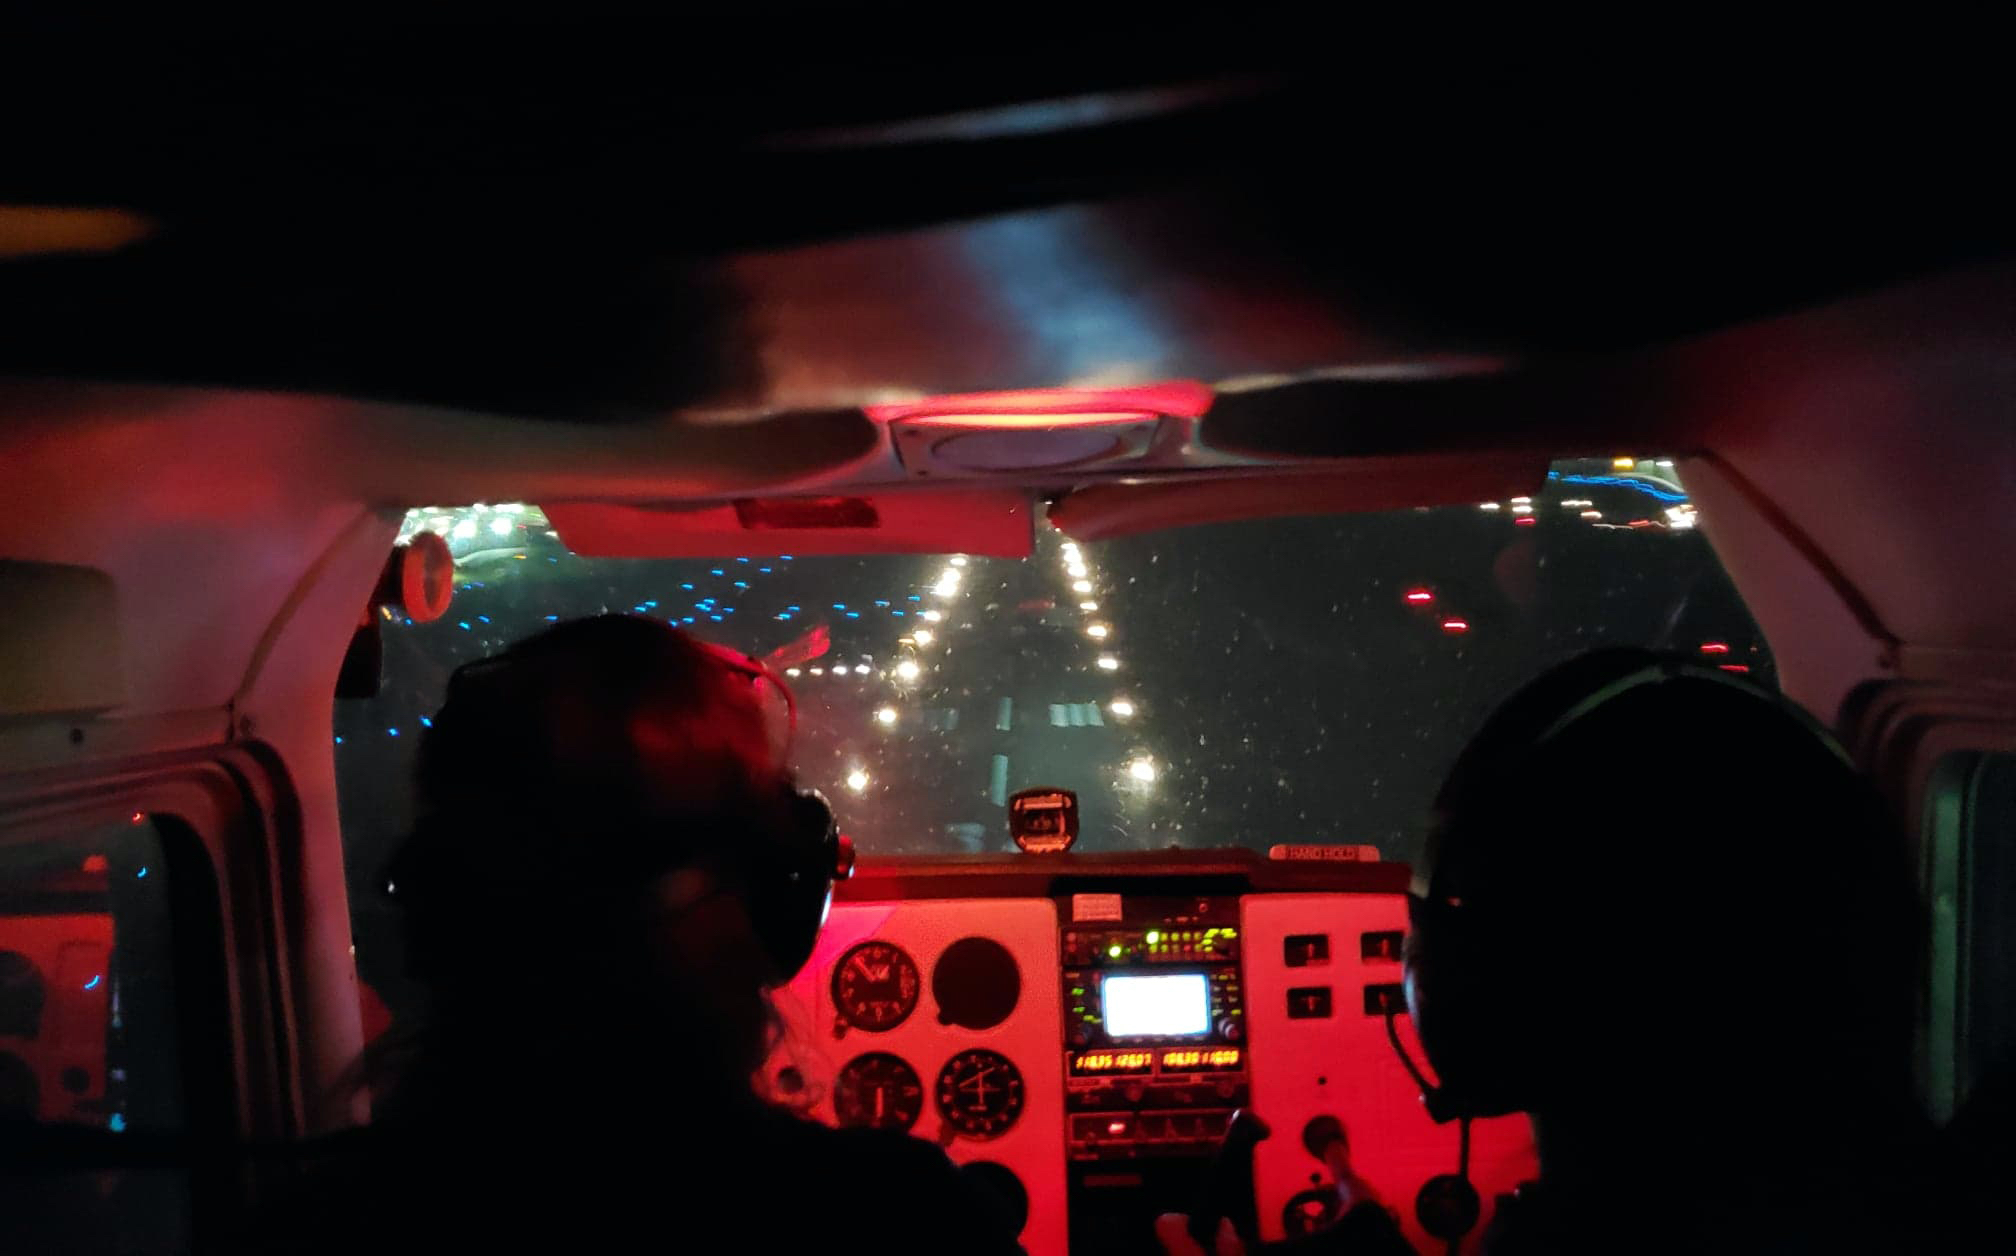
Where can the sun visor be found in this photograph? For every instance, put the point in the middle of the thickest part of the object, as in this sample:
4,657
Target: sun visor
1358,486
59,640
996,523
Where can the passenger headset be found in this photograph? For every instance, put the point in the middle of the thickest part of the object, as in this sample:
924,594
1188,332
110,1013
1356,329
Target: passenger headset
783,853
1463,983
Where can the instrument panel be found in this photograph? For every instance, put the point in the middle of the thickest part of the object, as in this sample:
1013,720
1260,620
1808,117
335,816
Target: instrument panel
1077,1033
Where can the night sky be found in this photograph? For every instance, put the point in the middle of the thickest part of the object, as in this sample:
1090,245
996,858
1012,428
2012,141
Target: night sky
1273,681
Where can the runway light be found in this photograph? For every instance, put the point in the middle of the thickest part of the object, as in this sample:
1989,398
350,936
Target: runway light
1070,551
1097,632
1141,769
1487,505
908,670
790,671
818,671
1522,501
1522,508
1455,625
1081,586
1420,597
885,715
857,780
1592,514
862,669
923,636
1088,606
1121,707
1107,663
1077,570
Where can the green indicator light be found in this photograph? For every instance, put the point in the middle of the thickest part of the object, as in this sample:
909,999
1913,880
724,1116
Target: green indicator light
1152,937
1114,950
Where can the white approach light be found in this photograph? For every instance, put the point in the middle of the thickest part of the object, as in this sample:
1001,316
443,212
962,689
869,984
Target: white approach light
1142,769
857,780
908,670
885,716
932,617
1077,570
1097,632
1088,606
923,636
1107,663
1121,707
1081,586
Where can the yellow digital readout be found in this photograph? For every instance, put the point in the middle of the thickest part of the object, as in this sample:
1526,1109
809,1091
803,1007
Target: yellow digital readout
1114,1062
1192,1059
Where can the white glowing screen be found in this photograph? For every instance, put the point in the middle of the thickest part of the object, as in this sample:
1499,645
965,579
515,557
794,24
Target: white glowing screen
1158,1007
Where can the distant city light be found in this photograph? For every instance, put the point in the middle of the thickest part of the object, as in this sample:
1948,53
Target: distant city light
501,527
1621,463
1108,663
908,670
1141,769
1420,597
885,715
1455,625
1097,631
931,617
857,780
923,636
464,530
862,669
1081,586
1121,707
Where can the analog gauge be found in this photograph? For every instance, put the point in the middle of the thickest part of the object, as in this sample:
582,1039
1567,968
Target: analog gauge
878,1091
980,1093
875,986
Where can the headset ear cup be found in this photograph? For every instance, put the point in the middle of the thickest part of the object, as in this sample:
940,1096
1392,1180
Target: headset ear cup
1462,1000
790,903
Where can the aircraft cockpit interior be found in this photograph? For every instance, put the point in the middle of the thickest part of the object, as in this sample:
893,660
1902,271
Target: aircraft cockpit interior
1123,548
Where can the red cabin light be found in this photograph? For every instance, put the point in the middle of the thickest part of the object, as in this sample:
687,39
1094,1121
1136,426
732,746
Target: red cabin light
1420,597
96,863
1054,407
1455,625
1714,647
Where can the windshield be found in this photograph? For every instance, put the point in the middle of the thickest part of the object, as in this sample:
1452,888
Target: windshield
1250,684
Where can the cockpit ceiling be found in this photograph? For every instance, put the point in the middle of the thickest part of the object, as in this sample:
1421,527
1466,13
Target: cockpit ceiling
577,234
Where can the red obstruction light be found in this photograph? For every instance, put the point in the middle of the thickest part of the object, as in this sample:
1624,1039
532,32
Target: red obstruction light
1714,647
1420,597
1736,667
1524,521
1455,625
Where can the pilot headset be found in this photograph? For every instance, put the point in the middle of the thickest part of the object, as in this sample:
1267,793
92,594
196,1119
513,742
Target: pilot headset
1459,969
772,844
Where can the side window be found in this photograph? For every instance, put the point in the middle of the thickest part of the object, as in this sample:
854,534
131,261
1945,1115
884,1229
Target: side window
93,1041
1971,853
